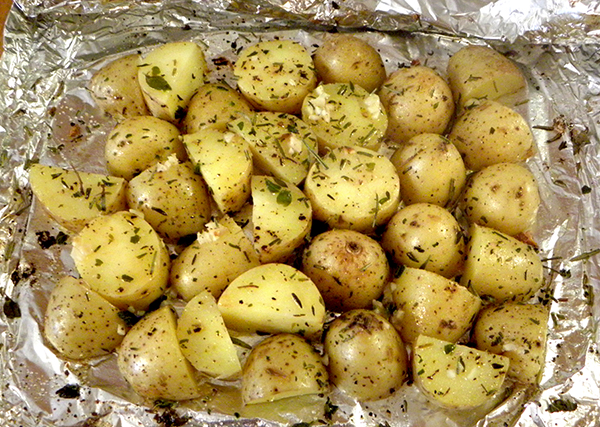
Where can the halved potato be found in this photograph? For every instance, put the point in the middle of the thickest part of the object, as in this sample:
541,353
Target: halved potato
73,198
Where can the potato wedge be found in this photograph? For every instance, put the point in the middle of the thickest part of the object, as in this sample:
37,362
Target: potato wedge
121,257
273,298
169,76
456,376
151,361
73,198
79,323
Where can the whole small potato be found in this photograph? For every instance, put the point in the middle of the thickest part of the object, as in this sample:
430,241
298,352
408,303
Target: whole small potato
427,236
367,358
431,170
137,143
503,196
346,58
417,100
349,268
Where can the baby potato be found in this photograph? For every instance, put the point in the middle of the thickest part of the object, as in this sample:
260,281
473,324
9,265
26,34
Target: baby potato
517,331
169,76
503,196
367,359
116,89
431,170
427,236
275,75
499,267
151,361
343,114
220,254
429,304
137,143
121,257
478,73
213,106
79,323
280,367
353,188
344,58
417,100
349,268
173,199
492,133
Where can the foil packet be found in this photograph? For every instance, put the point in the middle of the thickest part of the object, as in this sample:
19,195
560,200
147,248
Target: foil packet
52,48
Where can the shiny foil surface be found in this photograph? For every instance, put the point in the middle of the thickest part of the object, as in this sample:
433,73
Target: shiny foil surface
53,47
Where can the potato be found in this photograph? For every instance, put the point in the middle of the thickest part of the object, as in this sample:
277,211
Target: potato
367,359
431,170
280,367
417,100
345,58
140,142
281,218
349,268
282,145
499,267
429,304
121,257
169,76
73,198
225,162
79,323
173,199
220,254
480,73
492,133
116,89
275,75
273,298
343,114
456,376
517,331
353,188
213,106
427,236
204,339
151,361
503,196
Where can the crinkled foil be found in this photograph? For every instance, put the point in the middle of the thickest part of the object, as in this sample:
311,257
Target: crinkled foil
52,47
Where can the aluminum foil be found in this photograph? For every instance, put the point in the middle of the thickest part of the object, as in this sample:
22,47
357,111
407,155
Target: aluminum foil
52,47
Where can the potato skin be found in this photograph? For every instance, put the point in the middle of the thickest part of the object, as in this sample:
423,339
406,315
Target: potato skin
367,359
346,58
503,196
417,100
349,268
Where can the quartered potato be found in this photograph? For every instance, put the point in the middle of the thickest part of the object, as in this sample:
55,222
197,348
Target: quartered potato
282,144
344,114
137,143
273,298
121,257
79,323
73,198
169,76
116,89
219,254
283,366
275,75
344,58
456,376
367,359
151,361
173,199
353,188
